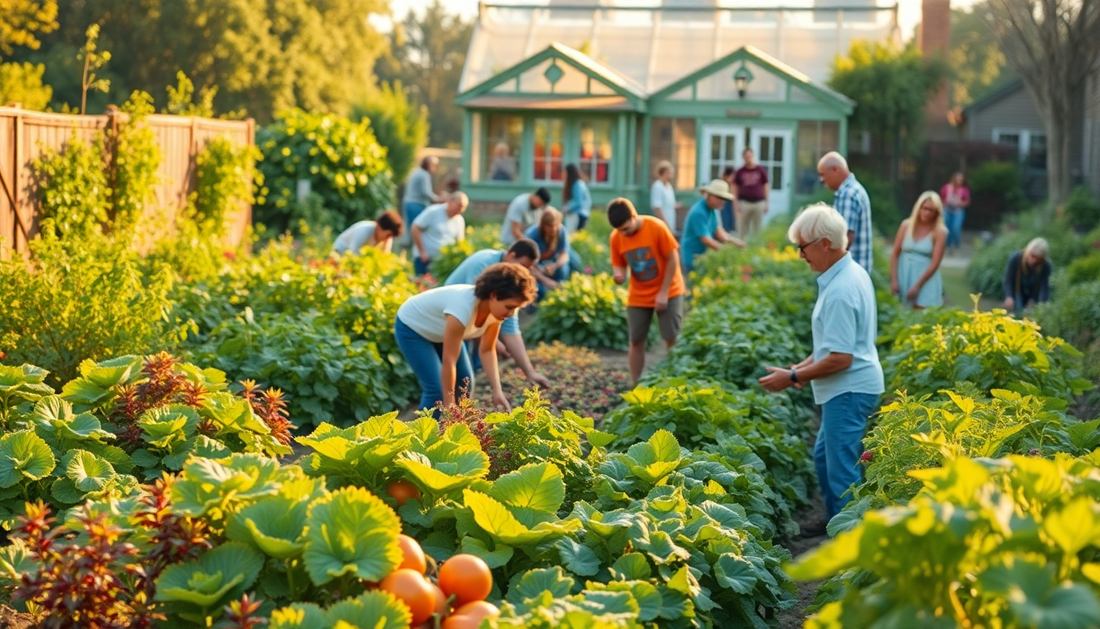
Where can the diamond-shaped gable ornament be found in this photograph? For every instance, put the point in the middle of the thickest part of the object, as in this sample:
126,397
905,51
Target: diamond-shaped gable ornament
553,74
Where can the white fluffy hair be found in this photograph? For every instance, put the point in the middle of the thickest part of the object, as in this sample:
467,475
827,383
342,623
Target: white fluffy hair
819,221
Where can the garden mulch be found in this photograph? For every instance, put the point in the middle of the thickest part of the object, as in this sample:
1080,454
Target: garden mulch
11,619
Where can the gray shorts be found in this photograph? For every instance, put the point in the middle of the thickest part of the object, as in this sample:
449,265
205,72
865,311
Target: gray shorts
638,320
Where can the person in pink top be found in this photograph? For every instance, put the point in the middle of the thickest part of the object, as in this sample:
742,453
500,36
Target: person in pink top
956,198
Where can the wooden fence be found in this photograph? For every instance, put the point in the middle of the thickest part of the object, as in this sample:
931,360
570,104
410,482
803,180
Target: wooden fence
27,135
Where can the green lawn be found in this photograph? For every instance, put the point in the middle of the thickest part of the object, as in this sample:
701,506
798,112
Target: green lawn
957,291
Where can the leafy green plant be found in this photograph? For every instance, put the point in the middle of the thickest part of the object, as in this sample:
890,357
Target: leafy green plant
992,350
73,190
1082,209
1009,542
594,253
477,238
135,158
588,311
79,299
912,432
731,342
543,598
226,175
342,160
400,125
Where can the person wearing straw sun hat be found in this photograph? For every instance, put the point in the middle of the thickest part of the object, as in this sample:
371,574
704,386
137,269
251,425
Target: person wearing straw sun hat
702,229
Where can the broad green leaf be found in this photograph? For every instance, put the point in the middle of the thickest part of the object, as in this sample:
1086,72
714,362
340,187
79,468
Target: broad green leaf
352,532
735,573
1076,526
217,576
64,491
631,566
537,486
496,520
493,558
446,468
164,425
109,373
654,459
52,408
300,616
577,558
599,439
208,484
535,582
661,549
1067,606
88,472
830,558
645,595
24,455
274,524
84,391
609,602
370,610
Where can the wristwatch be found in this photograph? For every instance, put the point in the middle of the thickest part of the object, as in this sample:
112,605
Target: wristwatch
794,375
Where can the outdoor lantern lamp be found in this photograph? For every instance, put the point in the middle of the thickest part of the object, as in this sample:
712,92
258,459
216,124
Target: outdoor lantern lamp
742,78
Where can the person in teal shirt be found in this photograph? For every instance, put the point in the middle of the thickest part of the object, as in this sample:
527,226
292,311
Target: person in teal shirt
576,199
701,229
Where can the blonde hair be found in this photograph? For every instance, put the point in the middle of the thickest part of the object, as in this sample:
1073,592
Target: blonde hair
1038,247
551,218
914,217
818,221
662,166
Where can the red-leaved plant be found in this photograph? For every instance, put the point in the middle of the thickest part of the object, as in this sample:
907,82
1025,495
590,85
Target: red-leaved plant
270,406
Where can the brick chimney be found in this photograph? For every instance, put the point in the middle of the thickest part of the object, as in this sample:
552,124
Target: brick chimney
935,39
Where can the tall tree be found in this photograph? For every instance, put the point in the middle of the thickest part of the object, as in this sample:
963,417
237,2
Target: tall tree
977,61
262,55
891,87
1054,47
427,52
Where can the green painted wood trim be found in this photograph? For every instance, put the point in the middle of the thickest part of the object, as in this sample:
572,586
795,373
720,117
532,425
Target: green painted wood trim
758,110
467,135
504,192
637,101
642,204
827,97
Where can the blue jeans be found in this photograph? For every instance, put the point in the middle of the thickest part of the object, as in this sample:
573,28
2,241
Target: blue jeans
412,210
839,446
953,219
426,360
420,268
729,221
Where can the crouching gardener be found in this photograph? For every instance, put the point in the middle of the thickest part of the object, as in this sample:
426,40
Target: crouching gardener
523,252
646,245
843,370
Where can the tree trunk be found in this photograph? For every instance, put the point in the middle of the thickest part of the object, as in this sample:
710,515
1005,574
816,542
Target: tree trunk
1058,126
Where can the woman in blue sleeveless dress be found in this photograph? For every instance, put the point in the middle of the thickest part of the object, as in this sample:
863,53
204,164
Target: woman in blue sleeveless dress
918,250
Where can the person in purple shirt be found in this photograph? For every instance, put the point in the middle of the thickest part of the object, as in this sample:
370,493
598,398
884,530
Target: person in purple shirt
751,187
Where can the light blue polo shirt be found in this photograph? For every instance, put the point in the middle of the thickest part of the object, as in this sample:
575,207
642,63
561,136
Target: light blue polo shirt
471,267
845,321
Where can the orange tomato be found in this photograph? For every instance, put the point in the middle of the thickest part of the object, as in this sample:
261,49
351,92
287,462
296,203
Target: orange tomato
466,577
413,555
478,610
401,491
441,606
411,588
459,621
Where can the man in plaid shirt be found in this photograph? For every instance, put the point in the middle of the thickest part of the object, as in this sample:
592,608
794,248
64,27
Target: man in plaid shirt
852,202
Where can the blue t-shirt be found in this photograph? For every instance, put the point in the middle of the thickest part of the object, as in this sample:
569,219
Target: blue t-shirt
701,221
471,267
563,242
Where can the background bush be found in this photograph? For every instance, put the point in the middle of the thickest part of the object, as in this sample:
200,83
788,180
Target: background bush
1082,209
342,160
399,125
585,310
477,238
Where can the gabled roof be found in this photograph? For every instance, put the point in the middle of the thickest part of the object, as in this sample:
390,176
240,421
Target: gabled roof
769,63
625,87
997,95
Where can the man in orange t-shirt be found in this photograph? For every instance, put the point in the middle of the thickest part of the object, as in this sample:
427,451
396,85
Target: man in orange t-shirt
647,247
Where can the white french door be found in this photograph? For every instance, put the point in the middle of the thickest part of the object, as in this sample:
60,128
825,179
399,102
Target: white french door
775,153
722,146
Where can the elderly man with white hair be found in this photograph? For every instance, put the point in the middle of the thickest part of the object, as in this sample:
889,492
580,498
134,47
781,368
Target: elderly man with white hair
852,202
843,369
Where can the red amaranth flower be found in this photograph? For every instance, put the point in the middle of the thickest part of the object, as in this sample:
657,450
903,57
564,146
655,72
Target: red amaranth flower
229,255
867,456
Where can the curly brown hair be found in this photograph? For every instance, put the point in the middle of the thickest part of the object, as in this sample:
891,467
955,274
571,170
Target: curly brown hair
506,280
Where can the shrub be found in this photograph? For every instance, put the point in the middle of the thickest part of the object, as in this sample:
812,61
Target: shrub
80,299
133,169
477,238
585,310
594,255
225,176
72,188
998,179
991,350
342,160
400,125
327,376
886,215
1081,270
22,83
1082,209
